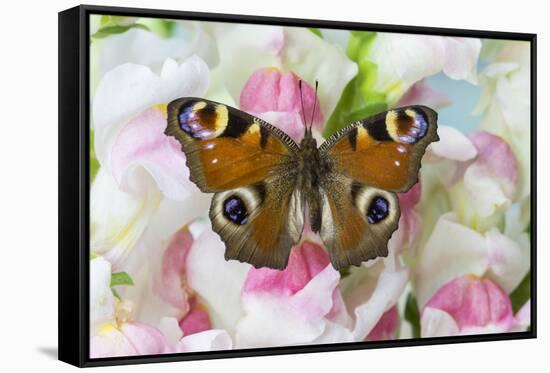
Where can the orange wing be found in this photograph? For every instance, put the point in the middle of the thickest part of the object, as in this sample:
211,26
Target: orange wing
384,151
250,165
225,147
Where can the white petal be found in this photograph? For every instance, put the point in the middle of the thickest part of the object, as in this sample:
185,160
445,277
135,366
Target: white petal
218,282
461,55
117,219
129,46
404,59
451,251
129,89
437,323
453,145
280,320
389,287
485,191
209,340
241,55
302,52
102,302
508,261
171,330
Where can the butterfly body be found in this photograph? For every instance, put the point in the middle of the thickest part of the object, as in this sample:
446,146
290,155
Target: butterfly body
265,183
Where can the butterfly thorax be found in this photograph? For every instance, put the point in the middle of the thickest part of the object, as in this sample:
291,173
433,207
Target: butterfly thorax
311,168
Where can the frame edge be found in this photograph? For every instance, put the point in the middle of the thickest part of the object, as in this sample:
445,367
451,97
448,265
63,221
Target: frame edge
70,253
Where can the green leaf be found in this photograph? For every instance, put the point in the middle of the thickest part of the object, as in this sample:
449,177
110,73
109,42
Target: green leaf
316,31
522,293
115,293
162,27
93,255
111,29
359,98
121,278
412,315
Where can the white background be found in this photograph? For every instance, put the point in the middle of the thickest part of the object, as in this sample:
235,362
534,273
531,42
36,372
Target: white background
28,185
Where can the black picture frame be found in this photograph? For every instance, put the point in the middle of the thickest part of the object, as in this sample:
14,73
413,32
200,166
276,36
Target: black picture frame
74,191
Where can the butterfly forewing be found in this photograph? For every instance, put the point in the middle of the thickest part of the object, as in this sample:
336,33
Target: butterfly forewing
250,166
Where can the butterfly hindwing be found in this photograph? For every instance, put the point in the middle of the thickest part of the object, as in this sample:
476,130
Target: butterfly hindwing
358,221
260,223
250,166
384,151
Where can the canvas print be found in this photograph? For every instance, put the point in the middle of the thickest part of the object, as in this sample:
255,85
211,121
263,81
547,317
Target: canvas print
264,186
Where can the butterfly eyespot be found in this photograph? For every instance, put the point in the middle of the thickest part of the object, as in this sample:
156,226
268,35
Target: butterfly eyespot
235,210
406,126
198,121
378,210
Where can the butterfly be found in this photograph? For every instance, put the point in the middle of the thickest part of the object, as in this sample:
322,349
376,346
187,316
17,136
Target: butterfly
263,180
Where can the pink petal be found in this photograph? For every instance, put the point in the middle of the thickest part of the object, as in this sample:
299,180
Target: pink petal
408,200
171,284
386,327
523,317
305,262
196,320
421,93
142,143
270,90
474,302
146,339
131,338
410,221
497,159
275,319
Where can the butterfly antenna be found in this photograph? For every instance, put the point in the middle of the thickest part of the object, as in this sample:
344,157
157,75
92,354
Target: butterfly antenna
314,105
302,101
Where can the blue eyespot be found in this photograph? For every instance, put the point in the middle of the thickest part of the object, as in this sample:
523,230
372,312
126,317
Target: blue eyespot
234,209
416,130
379,209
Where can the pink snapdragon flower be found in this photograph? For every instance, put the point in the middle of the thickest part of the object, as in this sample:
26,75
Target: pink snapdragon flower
298,301
274,96
469,305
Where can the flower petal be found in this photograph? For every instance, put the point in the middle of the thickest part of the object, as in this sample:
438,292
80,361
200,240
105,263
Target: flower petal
491,180
508,261
171,280
275,320
451,251
421,93
305,262
276,98
474,303
288,307
142,143
437,323
129,46
196,320
209,340
118,220
102,307
461,55
386,327
218,282
453,145
129,339
129,89
301,54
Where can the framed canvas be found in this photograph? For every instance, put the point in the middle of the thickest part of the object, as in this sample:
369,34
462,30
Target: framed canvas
233,186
